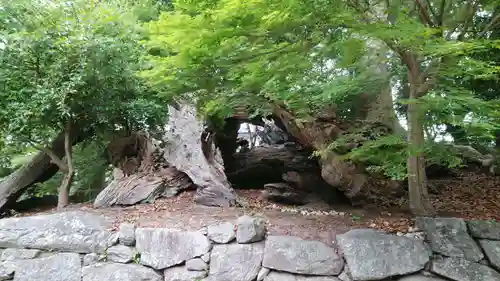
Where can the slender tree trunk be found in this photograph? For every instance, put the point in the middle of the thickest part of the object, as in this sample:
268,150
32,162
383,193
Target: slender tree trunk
63,196
417,179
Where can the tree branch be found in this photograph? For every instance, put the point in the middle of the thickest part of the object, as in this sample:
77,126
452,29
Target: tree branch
53,157
492,24
433,13
441,13
424,16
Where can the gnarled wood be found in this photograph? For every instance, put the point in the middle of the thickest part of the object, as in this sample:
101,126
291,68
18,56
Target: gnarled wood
142,187
142,173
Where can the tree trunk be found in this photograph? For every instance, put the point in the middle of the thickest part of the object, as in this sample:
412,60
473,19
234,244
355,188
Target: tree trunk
38,170
63,196
417,180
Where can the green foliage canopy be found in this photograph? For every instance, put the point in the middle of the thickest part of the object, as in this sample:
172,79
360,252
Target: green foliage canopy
311,54
71,62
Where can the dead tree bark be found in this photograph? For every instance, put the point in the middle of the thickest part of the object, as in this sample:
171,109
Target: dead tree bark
142,175
197,156
317,133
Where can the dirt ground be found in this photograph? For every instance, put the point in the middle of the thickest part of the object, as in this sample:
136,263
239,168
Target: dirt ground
180,212
470,197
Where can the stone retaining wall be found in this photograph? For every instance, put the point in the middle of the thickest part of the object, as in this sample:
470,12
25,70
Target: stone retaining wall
77,246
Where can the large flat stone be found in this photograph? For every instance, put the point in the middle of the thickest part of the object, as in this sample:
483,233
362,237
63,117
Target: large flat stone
59,267
161,248
295,255
459,269
283,276
240,262
180,273
375,255
70,232
119,272
492,250
19,254
484,229
449,237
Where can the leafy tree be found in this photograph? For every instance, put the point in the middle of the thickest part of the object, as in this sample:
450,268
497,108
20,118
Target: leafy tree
312,56
68,69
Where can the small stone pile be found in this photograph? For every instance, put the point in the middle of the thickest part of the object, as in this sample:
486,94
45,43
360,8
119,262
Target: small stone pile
76,246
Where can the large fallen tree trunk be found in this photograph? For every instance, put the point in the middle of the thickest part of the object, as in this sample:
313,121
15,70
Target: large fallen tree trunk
285,171
266,164
185,158
38,170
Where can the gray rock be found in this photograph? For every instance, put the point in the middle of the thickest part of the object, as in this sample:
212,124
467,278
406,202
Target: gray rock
242,262
6,272
415,235
59,267
484,229
206,257
449,237
263,272
292,254
162,248
284,276
374,255
492,250
420,277
180,273
112,239
126,234
121,254
250,229
344,276
19,254
70,231
91,258
119,272
221,233
459,269
196,265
